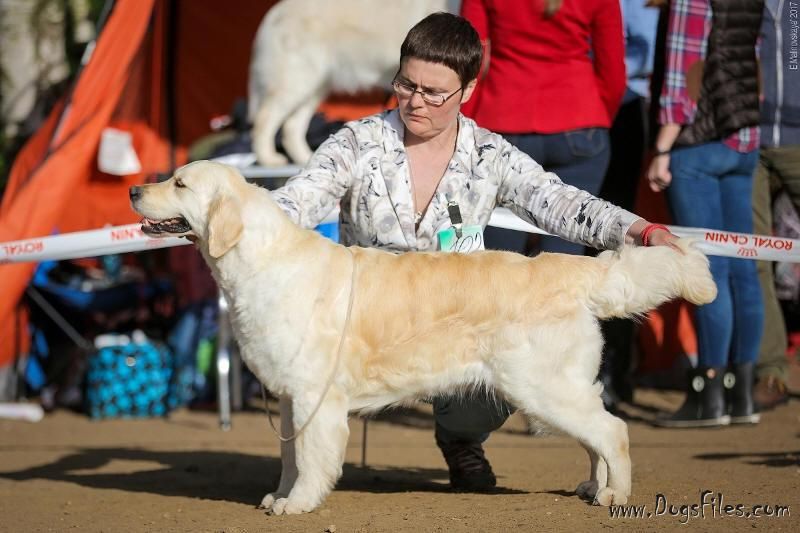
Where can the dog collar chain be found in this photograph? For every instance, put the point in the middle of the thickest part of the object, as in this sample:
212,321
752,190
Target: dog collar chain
333,372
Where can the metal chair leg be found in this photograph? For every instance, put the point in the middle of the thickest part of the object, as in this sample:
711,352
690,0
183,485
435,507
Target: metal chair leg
224,339
364,444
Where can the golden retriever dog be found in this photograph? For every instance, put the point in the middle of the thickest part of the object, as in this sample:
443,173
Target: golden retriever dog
306,49
331,329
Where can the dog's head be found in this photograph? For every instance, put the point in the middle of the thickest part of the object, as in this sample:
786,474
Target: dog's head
201,201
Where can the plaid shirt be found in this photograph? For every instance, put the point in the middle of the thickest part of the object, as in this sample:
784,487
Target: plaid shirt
687,43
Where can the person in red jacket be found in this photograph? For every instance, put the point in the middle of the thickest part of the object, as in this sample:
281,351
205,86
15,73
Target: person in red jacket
554,79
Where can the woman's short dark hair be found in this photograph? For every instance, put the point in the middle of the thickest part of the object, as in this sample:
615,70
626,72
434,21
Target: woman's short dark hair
447,39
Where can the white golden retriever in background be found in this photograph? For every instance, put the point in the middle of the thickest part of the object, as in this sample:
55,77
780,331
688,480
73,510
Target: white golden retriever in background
306,49
421,324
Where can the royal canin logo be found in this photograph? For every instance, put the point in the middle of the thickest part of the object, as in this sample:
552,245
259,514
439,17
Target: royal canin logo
25,247
758,241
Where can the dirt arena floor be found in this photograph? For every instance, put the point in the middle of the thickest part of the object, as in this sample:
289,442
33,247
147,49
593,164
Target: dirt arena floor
67,473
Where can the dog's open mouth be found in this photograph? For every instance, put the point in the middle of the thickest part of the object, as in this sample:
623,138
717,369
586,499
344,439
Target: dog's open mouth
173,226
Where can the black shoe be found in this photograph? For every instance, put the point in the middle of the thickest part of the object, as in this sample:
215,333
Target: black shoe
739,389
469,469
769,392
705,402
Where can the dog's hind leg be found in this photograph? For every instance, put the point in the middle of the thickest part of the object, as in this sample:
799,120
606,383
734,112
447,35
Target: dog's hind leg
320,450
598,476
295,129
606,438
301,87
574,406
613,446
269,117
288,461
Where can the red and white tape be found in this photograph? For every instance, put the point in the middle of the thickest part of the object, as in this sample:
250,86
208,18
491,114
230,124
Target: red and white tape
744,245
129,238
111,240
710,242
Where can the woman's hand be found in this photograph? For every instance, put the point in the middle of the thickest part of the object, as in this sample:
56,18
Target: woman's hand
661,237
658,174
644,233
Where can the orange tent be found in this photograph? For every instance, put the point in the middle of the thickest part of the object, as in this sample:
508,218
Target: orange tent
161,69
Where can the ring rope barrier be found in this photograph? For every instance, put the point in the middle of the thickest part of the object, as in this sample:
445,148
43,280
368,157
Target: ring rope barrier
130,238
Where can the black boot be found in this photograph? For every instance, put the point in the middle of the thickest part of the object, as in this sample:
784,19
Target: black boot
739,380
705,402
469,469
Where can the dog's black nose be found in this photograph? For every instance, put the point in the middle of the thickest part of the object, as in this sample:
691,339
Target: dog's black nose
135,192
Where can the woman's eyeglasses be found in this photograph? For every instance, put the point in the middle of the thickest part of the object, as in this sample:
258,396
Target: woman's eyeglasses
434,99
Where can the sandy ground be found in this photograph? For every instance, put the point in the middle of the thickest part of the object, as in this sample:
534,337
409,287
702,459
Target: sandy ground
67,473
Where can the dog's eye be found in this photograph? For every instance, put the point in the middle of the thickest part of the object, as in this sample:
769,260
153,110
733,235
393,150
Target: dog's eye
179,184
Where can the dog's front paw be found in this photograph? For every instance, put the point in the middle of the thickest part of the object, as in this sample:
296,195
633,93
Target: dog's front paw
269,500
608,496
587,490
290,506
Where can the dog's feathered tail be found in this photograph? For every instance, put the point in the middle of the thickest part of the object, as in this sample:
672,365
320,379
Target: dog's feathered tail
639,279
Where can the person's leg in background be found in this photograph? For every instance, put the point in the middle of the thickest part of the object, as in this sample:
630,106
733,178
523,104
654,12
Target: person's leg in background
463,423
580,158
628,137
771,367
736,189
786,161
695,200
506,239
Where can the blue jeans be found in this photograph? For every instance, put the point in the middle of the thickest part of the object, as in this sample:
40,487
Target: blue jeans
712,188
579,157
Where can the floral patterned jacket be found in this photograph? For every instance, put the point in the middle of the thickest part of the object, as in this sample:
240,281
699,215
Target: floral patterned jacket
364,168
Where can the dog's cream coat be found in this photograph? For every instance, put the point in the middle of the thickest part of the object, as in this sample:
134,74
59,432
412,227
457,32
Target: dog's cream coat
421,324
305,49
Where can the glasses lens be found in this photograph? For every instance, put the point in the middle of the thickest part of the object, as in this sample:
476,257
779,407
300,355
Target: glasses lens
406,92
401,89
433,99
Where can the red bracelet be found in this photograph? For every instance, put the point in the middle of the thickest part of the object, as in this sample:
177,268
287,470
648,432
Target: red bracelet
650,228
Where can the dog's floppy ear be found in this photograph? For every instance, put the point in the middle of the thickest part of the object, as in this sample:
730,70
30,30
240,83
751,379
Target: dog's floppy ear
224,226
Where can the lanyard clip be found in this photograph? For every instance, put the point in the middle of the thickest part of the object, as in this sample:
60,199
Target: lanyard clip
455,217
